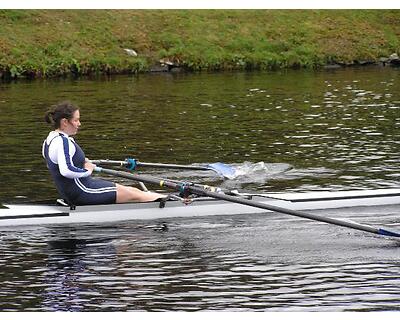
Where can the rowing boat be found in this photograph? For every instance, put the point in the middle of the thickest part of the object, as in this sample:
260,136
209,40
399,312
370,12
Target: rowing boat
35,214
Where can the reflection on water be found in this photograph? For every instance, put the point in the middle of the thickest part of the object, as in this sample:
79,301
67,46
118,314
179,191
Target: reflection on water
269,263
288,130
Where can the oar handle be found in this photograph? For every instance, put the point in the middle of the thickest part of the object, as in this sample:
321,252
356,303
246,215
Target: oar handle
128,163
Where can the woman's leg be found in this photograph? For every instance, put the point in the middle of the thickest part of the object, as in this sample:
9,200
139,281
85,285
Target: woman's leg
131,194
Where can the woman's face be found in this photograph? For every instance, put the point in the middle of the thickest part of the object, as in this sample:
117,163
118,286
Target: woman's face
71,126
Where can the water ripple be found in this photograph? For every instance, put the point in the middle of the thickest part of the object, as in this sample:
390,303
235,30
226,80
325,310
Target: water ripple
138,269
294,130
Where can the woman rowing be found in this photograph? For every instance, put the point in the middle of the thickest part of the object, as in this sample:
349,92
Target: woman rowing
71,170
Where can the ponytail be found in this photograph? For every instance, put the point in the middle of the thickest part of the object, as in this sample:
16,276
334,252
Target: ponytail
48,117
63,110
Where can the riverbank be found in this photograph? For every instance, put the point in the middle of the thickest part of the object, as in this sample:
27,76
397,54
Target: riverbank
53,43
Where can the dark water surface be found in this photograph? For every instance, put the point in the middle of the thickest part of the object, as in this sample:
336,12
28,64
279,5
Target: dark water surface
291,130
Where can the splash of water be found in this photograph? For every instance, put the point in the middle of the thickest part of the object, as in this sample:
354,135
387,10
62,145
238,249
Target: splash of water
259,171
246,172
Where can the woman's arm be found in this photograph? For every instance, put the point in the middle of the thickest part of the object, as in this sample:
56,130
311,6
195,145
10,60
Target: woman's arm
64,153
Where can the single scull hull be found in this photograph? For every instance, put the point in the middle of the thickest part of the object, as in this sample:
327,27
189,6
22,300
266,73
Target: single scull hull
21,214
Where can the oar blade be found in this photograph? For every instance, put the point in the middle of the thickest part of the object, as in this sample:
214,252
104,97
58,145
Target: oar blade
223,170
390,233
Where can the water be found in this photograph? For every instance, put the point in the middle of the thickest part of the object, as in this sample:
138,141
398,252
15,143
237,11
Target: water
289,130
257,262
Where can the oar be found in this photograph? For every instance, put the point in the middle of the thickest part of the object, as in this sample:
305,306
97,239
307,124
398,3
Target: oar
221,169
209,191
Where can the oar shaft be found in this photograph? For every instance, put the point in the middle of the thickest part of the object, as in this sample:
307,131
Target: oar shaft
221,169
149,164
221,196
170,166
172,184
291,212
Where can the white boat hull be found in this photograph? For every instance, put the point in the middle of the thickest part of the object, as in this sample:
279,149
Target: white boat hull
49,214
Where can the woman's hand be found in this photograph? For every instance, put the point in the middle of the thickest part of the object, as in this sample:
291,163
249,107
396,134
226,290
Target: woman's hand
89,166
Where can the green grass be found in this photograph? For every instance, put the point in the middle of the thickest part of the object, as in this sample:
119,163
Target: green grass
48,43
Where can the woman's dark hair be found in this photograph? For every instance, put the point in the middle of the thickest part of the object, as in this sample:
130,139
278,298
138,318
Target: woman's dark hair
60,111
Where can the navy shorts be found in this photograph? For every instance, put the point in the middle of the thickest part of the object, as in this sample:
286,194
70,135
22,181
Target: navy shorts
94,191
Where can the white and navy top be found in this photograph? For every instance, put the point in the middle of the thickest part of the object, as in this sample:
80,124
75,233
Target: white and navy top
65,160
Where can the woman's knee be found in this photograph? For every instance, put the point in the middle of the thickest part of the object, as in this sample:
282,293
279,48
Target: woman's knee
132,194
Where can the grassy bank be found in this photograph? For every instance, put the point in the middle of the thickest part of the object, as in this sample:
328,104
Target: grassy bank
46,43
